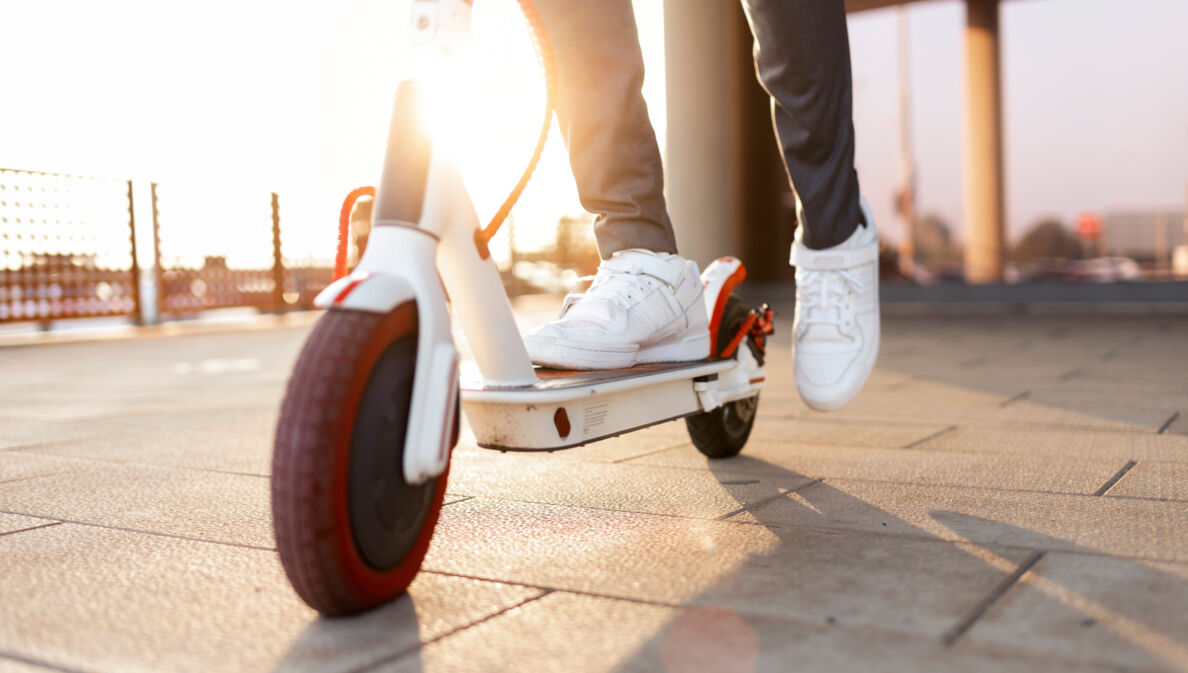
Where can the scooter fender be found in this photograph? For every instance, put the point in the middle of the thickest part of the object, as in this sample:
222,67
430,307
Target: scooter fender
435,375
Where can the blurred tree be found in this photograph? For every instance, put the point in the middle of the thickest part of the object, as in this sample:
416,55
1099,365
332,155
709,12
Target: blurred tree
1047,238
933,241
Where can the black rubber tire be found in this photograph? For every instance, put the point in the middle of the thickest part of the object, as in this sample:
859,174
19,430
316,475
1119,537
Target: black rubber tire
723,432
338,422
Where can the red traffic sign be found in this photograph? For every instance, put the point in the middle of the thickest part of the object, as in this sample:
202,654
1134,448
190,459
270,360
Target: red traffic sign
1089,226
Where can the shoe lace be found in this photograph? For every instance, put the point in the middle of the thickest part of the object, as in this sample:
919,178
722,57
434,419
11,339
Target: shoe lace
827,298
616,285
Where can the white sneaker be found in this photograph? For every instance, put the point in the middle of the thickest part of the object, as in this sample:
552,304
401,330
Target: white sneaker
642,307
836,329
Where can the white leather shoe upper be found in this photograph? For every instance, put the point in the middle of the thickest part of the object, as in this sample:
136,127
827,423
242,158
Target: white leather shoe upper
638,298
836,328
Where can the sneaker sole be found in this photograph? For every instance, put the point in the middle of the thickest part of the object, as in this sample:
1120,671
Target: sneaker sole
686,348
548,353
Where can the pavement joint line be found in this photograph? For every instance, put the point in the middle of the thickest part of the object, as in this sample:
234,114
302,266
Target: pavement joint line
141,531
973,422
759,504
963,626
461,499
132,463
645,454
421,644
590,508
816,624
1105,488
34,476
38,445
1167,424
1070,374
13,656
929,438
744,472
1017,398
549,589
849,531
26,530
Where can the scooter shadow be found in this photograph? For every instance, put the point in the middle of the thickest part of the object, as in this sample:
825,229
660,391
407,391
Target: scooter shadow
715,631
360,642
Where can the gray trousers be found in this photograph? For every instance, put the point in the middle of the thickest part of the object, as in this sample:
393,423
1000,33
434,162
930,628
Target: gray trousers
802,58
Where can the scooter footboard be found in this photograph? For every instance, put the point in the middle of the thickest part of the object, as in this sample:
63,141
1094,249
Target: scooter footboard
568,409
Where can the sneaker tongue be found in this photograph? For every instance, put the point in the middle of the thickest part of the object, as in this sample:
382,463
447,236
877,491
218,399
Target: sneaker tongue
824,332
594,310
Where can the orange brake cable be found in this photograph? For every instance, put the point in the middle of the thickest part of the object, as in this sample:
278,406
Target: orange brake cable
544,55
344,228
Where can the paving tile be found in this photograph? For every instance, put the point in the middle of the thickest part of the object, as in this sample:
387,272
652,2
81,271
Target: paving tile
1118,526
900,583
16,465
15,431
207,505
107,600
1074,398
16,666
1095,609
231,440
11,523
827,431
632,488
1050,473
625,636
1122,446
1168,481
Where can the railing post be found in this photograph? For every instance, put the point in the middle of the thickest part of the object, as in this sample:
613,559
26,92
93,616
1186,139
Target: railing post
138,315
158,273
278,263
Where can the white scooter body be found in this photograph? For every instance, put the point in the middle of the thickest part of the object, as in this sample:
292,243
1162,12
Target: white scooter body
511,405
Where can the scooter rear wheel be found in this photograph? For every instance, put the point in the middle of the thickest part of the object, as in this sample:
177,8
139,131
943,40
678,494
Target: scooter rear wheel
723,432
351,533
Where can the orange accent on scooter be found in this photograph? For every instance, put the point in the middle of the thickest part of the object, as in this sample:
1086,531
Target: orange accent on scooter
561,420
350,287
544,54
715,322
742,332
344,231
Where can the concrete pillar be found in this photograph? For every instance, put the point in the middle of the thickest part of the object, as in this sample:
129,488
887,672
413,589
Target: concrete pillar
984,238
703,149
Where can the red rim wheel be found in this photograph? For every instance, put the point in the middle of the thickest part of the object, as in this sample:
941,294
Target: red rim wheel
351,533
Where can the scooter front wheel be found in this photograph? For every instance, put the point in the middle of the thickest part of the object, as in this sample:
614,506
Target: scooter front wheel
350,531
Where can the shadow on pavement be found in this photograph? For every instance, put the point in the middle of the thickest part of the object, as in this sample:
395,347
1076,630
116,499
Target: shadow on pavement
912,583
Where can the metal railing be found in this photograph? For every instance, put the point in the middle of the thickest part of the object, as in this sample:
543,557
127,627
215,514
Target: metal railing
68,250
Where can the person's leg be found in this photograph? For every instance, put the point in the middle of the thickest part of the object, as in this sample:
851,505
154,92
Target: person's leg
645,304
802,59
604,120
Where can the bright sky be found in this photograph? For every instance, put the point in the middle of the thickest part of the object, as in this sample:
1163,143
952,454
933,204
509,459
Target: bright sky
222,102
1095,97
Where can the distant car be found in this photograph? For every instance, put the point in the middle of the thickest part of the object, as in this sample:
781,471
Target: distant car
1040,270
1106,270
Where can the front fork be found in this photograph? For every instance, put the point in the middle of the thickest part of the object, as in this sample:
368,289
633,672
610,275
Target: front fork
425,224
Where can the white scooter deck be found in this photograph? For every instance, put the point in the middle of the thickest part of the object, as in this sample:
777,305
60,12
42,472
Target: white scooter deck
566,409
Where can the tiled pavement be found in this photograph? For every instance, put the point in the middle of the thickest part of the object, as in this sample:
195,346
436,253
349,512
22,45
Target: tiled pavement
1007,494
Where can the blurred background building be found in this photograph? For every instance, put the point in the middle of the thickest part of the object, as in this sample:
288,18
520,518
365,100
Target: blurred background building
999,141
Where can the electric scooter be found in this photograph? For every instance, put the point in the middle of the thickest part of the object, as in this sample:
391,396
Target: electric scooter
372,410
